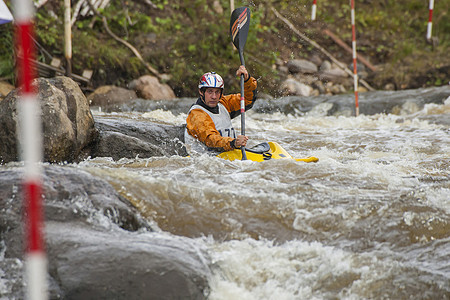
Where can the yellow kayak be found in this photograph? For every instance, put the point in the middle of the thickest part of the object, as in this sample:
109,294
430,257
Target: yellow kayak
262,152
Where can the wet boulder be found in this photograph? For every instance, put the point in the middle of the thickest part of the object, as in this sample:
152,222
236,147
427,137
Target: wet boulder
370,103
70,195
67,122
98,246
301,66
148,87
109,95
96,264
293,87
118,145
325,66
132,138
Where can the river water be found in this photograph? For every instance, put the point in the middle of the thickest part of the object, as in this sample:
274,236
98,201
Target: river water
370,220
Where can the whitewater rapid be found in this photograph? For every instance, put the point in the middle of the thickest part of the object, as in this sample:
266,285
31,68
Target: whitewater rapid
370,220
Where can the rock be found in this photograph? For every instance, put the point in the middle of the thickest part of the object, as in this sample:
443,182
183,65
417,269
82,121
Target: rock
307,79
70,134
315,92
338,89
362,89
375,102
301,66
179,106
319,86
325,66
292,87
361,70
109,95
389,87
93,264
359,67
283,69
334,73
370,103
71,195
117,145
321,109
13,285
148,87
315,59
128,139
406,108
68,126
98,245
5,89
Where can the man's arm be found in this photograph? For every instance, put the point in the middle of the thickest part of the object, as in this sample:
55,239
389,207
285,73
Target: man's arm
200,125
233,102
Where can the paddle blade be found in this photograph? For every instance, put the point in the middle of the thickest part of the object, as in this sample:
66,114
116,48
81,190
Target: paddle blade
239,26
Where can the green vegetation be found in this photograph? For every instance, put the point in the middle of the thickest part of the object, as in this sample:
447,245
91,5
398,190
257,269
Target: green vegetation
185,38
6,53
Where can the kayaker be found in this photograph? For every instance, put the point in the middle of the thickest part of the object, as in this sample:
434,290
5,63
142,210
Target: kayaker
208,124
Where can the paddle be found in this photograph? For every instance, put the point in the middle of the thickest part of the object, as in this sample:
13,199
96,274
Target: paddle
239,25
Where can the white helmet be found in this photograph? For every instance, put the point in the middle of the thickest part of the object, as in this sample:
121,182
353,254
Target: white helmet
211,80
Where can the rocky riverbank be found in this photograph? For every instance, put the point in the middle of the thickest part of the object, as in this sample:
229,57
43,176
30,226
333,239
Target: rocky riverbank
181,41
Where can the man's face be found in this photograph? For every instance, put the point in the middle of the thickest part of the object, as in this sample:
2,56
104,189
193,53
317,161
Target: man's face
212,96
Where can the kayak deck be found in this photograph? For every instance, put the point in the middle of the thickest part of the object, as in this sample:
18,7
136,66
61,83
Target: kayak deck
263,152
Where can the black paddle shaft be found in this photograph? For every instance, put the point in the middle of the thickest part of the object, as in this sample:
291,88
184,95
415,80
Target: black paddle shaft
241,56
239,26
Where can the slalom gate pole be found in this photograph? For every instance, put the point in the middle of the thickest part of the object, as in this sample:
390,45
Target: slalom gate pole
355,68
430,19
67,38
30,141
313,12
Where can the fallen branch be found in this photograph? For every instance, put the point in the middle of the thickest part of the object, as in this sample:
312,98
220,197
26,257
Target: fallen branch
97,4
133,49
347,48
151,4
316,45
76,12
40,3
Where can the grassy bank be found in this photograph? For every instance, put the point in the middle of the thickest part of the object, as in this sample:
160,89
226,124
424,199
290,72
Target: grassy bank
187,38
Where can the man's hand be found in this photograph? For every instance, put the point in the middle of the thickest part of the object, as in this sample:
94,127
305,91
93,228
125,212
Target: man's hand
241,140
242,70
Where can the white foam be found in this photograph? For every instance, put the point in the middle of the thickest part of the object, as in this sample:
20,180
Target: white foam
438,198
251,269
165,116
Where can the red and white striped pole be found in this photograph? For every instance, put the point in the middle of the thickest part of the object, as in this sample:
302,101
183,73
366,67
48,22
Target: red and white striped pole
30,141
314,8
430,19
355,69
